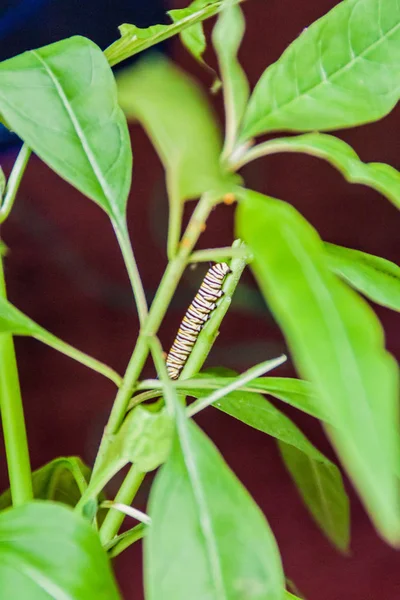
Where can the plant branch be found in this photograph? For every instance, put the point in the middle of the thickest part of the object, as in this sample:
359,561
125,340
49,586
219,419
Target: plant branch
175,218
126,539
218,254
271,147
157,311
122,234
14,181
12,416
125,495
85,359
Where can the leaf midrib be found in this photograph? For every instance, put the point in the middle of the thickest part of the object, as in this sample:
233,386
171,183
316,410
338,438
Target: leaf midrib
88,152
205,520
331,77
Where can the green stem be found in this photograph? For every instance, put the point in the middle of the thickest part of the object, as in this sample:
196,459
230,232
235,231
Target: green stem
125,495
13,182
126,539
218,254
271,147
94,364
122,234
12,416
158,309
143,397
175,219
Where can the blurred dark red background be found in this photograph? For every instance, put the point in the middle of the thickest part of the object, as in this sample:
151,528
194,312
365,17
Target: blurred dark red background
64,270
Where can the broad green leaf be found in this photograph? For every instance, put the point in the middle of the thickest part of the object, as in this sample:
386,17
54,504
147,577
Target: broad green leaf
337,343
145,438
373,276
295,392
319,481
136,39
341,71
227,36
379,176
48,552
208,538
182,127
61,100
321,487
63,480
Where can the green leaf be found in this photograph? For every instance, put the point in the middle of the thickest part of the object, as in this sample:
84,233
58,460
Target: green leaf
48,552
145,438
3,183
208,538
136,39
227,36
337,343
193,37
378,176
341,71
321,487
63,480
295,392
373,276
319,481
61,100
182,127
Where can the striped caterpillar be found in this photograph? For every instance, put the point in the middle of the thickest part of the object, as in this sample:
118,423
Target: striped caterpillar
196,315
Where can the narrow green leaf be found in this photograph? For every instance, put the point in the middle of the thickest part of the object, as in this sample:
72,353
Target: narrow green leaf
208,538
341,71
227,36
48,552
373,276
61,99
63,480
193,37
321,487
182,127
14,321
3,183
337,343
378,176
319,481
136,39
296,392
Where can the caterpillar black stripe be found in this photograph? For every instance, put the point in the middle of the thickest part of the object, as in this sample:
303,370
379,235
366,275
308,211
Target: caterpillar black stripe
195,317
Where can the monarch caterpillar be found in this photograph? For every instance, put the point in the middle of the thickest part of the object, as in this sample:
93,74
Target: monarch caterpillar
196,315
